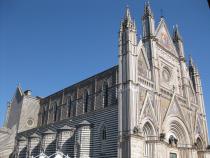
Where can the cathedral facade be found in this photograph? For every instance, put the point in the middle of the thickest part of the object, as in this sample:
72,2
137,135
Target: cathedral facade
148,106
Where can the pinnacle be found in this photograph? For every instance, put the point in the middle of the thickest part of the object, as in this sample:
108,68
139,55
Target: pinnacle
127,14
176,34
191,63
147,9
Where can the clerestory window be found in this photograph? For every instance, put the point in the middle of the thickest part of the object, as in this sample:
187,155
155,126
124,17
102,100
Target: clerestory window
55,109
105,94
69,106
86,101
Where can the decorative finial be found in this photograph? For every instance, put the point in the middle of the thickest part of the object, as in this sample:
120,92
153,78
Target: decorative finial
176,34
147,9
191,63
18,84
127,13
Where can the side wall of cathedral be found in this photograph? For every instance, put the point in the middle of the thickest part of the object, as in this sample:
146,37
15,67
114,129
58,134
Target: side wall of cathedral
79,121
93,135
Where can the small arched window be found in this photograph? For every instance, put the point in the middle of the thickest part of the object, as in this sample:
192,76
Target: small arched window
105,94
104,133
69,106
86,101
55,109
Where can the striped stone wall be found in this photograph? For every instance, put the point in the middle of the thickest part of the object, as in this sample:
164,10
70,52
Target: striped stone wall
89,136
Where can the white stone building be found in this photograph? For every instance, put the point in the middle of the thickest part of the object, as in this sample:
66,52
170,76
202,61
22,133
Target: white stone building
148,106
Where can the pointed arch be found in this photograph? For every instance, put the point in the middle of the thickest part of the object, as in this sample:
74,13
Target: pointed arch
148,128
102,130
199,143
148,133
103,135
174,126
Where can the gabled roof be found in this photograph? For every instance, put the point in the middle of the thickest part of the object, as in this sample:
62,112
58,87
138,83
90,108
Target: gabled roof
21,138
164,37
34,135
84,123
65,127
49,131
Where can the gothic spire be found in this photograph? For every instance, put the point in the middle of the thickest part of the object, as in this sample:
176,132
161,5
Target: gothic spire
191,63
127,22
147,9
127,14
176,34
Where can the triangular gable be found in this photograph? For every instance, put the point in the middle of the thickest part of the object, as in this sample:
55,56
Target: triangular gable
48,131
164,37
65,128
198,128
192,92
34,135
18,94
148,110
174,109
141,51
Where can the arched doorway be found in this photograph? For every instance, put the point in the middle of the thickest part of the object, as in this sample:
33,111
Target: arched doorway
149,146
177,136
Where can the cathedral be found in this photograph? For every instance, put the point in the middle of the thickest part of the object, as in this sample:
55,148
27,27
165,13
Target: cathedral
150,105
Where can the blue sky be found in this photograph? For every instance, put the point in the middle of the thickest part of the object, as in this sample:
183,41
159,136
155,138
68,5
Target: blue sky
51,44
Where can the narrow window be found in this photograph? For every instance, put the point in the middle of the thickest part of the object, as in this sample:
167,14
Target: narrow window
59,113
43,116
69,106
105,94
103,136
55,111
46,113
86,100
104,133
74,104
